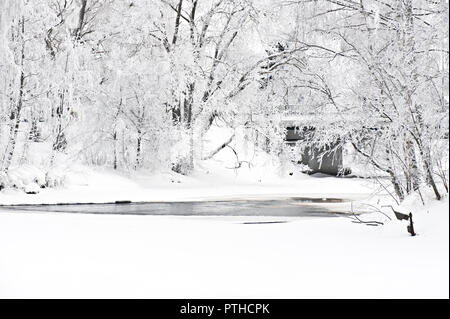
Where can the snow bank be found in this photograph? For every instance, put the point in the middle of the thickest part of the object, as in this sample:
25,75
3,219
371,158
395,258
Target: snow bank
103,185
31,179
26,177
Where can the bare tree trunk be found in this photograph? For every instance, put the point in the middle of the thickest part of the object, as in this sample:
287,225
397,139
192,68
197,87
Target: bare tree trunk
177,22
430,179
81,17
397,187
59,143
191,149
413,171
115,149
17,114
139,150
188,102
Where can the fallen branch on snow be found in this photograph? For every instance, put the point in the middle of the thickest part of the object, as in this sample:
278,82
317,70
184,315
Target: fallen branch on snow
238,162
217,150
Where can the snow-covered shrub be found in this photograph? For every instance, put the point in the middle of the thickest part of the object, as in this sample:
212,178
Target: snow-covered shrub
55,178
32,188
28,178
182,165
31,179
21,176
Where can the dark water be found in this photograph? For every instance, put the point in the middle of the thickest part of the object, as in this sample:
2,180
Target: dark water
293,207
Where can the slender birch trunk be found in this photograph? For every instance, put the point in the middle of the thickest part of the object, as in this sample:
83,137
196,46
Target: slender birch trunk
14,129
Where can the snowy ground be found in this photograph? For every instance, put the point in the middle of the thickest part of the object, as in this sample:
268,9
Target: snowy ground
66,255
99,187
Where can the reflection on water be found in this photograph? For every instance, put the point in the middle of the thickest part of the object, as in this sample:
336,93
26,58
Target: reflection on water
294,207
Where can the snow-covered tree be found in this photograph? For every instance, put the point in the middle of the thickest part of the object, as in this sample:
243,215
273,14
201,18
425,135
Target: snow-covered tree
385,79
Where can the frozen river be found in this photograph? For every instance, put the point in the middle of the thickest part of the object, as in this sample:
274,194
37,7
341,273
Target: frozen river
292,207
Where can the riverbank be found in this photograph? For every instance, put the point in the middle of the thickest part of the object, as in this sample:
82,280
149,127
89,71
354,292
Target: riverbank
85,185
